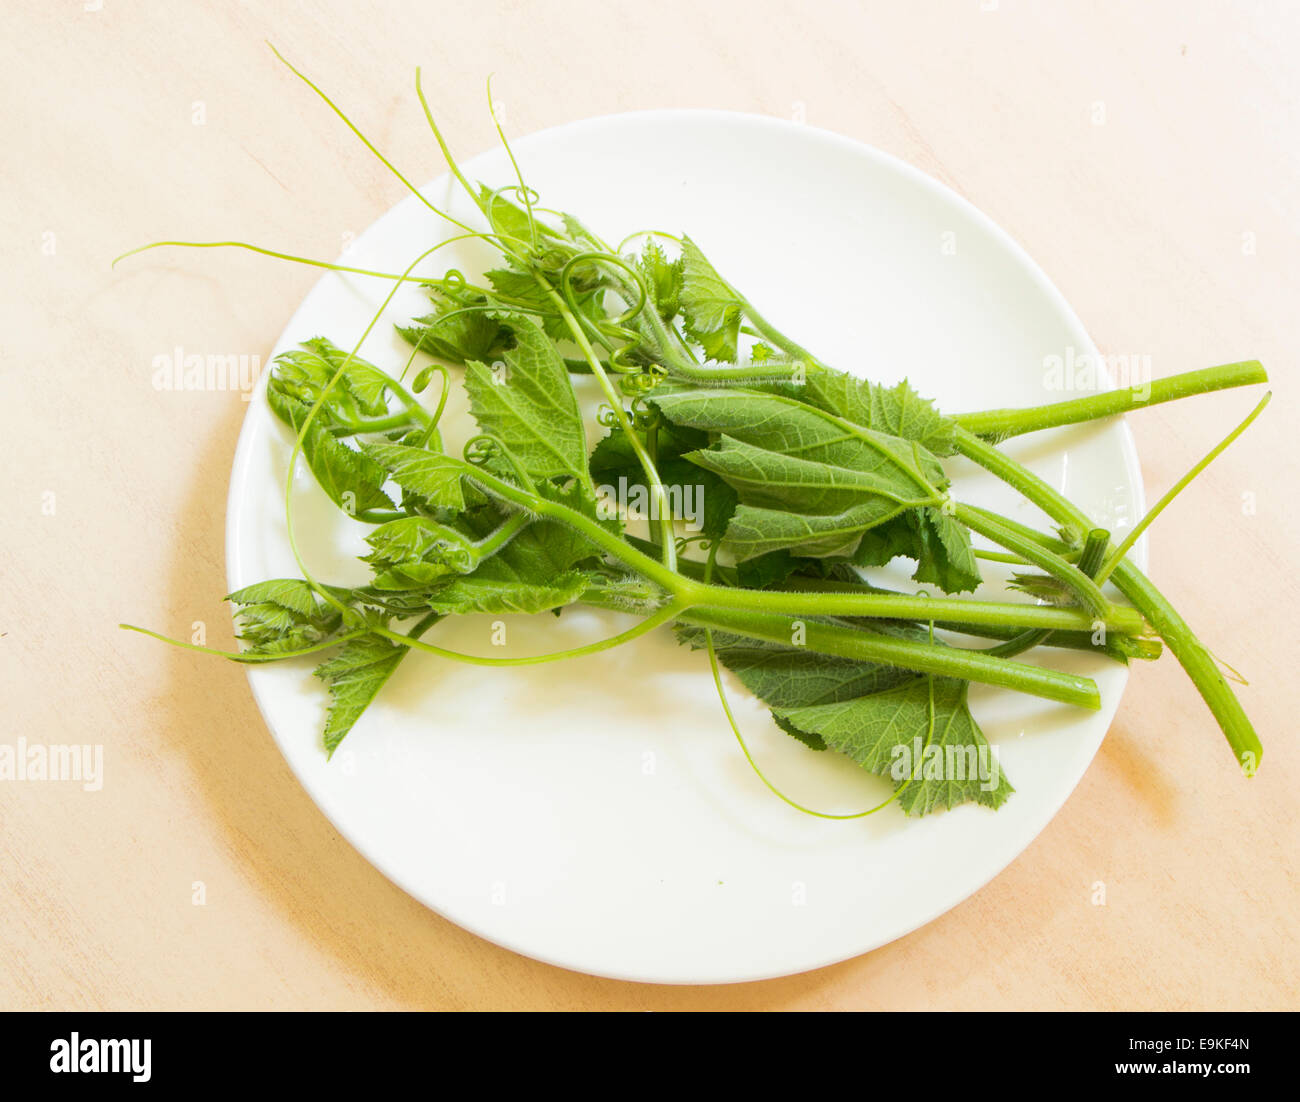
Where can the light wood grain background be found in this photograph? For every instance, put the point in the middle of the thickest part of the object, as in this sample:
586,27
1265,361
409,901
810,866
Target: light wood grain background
1147,155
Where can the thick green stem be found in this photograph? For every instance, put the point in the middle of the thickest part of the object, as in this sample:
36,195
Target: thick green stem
867,646
1033,534
1119,647
1083,587
1187,648
1090,560
1123,620
998,424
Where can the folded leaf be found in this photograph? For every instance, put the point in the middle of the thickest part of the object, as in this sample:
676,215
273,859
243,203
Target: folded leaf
755,531
307,371
352,480
805,482
456,332
421,538
508,218
663,279
528,403
494,588
284,614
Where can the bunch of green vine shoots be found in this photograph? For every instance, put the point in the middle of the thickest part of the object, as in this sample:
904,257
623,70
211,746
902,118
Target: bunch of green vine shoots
774,483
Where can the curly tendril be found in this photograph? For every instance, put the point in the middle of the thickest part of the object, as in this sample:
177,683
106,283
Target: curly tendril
644,381
422,379
644,416
616,333
684,543
606,417
481,450
524,194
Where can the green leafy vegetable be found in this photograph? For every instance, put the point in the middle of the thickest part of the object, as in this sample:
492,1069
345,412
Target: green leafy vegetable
730,435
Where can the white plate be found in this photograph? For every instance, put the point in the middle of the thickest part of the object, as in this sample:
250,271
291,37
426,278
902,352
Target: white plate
597,814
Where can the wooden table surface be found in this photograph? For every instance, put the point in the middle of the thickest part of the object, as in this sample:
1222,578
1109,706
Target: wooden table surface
1145,155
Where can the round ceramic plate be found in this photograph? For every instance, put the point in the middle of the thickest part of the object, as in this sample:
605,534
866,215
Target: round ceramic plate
598,814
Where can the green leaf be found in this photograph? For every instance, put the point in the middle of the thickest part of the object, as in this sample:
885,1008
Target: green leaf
711,306
430,476
755,532
530,406
939,543
411,576
421,538
508,218
946,556
546,565
777,481
952,766
786,677
663,278
496,589
293,594
354,676
781,424
534,572
284,614
805,482
867,710
546,548
458,333
307,372
898,410
420,553
352,481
